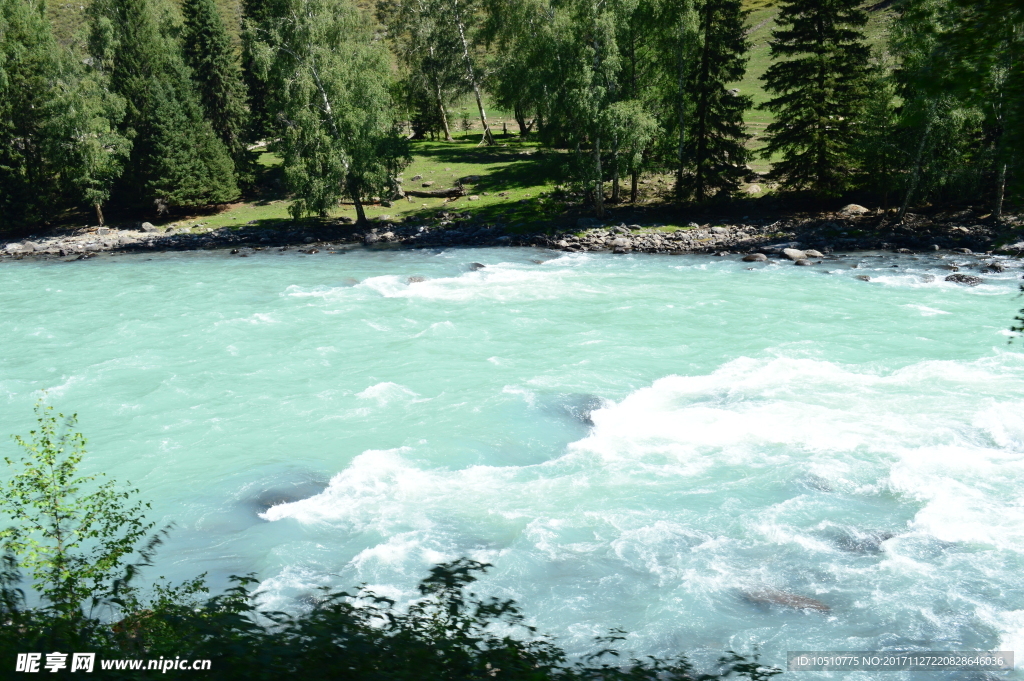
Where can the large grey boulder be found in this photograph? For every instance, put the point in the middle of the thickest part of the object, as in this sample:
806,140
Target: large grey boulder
147,227
966,279
794,254
755,257
854,209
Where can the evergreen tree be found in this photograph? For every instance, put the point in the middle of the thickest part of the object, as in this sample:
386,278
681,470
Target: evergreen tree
819,77
340,137
32,75
58,146
218,79
176,158
717,139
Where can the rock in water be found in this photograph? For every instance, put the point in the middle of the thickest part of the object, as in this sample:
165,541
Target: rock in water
964,279
863,277
803,262
785,599
755,257
476,266
811,253
416,280
794,254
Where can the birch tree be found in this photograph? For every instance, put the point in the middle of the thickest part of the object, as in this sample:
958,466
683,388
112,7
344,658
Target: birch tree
339,136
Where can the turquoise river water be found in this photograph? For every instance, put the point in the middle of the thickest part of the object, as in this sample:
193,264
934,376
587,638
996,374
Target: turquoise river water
633,441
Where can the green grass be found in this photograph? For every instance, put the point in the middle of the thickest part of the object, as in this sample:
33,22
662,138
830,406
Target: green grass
515,182
761,23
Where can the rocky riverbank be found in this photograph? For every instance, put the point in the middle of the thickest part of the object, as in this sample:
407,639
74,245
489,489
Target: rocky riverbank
853,228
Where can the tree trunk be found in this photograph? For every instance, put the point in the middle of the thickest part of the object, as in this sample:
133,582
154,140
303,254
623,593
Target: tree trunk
353,189
615,178
915,175
524,128
598,181
99,213
997,212
452,193
444,116
632,190
487,137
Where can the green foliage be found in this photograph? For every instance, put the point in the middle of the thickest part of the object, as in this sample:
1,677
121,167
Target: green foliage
57,143
218,80
819,77
176,158
584,62
678,40
74,542
260,93
339,136
430,51
716,143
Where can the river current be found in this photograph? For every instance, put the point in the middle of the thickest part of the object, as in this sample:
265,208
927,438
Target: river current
633,441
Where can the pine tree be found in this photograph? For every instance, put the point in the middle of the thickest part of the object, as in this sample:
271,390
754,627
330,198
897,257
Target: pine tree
58,146
339,137
717,139
218,79
819,78
176,158
31,71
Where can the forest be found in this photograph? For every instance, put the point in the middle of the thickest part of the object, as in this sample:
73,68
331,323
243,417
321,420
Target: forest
151,108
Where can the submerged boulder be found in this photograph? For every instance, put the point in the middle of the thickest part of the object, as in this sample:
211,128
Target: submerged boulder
966,279
755,257
785,599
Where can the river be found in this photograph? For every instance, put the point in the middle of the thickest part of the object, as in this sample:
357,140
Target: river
633,441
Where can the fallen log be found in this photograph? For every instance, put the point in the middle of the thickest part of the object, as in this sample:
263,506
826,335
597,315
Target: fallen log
452,193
